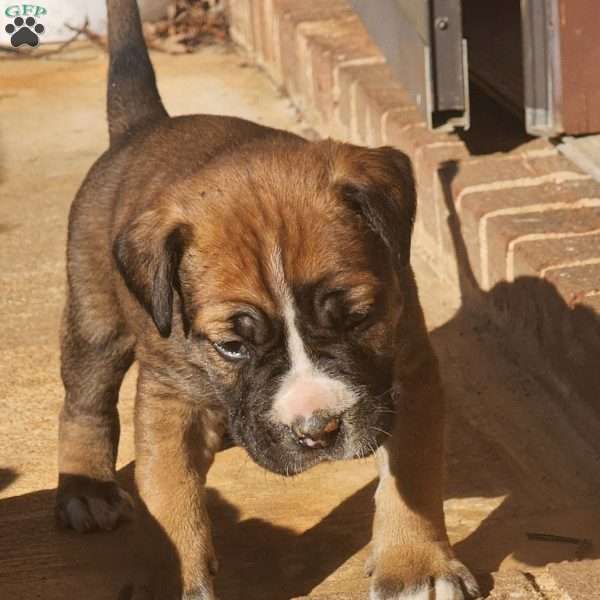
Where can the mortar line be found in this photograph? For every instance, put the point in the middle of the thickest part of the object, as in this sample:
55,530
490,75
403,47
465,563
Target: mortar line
556,177
520,210
569,265
534,237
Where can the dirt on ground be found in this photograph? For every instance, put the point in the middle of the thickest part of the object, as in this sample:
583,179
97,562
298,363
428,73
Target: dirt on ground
516,464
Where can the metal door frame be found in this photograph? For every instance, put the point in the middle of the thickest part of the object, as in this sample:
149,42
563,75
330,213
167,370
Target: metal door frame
423,44
541,66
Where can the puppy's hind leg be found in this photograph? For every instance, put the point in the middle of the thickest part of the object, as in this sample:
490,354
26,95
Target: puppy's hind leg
92,367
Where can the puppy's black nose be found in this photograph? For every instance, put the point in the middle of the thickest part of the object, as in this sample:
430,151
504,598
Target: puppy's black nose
316,431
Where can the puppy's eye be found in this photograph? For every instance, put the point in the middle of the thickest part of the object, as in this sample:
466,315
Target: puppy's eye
357,318
233,351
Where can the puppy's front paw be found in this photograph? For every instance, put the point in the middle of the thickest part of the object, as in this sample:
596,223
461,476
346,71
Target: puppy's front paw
145,593
165,580
85,504
420,572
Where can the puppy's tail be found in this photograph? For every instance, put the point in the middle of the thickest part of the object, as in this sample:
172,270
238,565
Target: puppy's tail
132,98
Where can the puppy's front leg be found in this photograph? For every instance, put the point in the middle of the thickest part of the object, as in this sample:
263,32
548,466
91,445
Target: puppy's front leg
412,558
176,440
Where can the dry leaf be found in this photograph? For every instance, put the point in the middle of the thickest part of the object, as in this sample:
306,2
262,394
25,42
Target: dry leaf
189,23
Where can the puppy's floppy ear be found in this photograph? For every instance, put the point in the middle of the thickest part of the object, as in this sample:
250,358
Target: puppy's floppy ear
148,252
378,183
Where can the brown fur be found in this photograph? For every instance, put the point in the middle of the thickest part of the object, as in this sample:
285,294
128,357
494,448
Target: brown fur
172,233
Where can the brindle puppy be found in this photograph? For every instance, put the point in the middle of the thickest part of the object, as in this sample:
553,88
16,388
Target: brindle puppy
263,284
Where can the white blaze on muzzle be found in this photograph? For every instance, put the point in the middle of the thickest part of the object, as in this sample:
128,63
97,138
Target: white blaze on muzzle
305,389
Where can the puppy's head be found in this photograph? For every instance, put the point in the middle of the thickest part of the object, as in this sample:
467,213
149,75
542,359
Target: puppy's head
277,271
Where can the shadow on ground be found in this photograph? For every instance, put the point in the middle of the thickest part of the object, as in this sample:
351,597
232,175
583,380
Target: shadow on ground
258,560
552,486
537,491
7,476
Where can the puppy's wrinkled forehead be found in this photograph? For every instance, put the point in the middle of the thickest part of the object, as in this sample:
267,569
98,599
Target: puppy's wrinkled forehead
278,209
268,236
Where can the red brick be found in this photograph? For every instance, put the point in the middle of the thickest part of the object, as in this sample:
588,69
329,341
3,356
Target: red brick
475,205
398,126
478,203
347,77
316,10
322,84
257,28
502,230
576,283
396,129
445,171
376,94
407,131
330,45
429,160
240,19
534,257
592,302
344,37
289,15
265,35
498,168
321,53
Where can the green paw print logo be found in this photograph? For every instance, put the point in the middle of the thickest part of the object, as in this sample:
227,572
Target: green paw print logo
25,28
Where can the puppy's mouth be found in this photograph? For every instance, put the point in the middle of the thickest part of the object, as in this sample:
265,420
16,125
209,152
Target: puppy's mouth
286,451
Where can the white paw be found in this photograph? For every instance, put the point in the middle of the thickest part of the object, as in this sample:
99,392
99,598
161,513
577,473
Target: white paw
440,589
459,585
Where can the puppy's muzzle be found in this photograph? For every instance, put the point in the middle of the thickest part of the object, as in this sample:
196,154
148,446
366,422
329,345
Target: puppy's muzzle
318,430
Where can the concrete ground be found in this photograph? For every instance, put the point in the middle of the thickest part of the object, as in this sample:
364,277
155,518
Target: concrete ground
516,465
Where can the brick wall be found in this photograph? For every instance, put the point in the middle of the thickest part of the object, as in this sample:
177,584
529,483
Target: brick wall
518,231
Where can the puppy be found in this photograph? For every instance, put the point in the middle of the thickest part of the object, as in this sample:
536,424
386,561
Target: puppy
263,284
